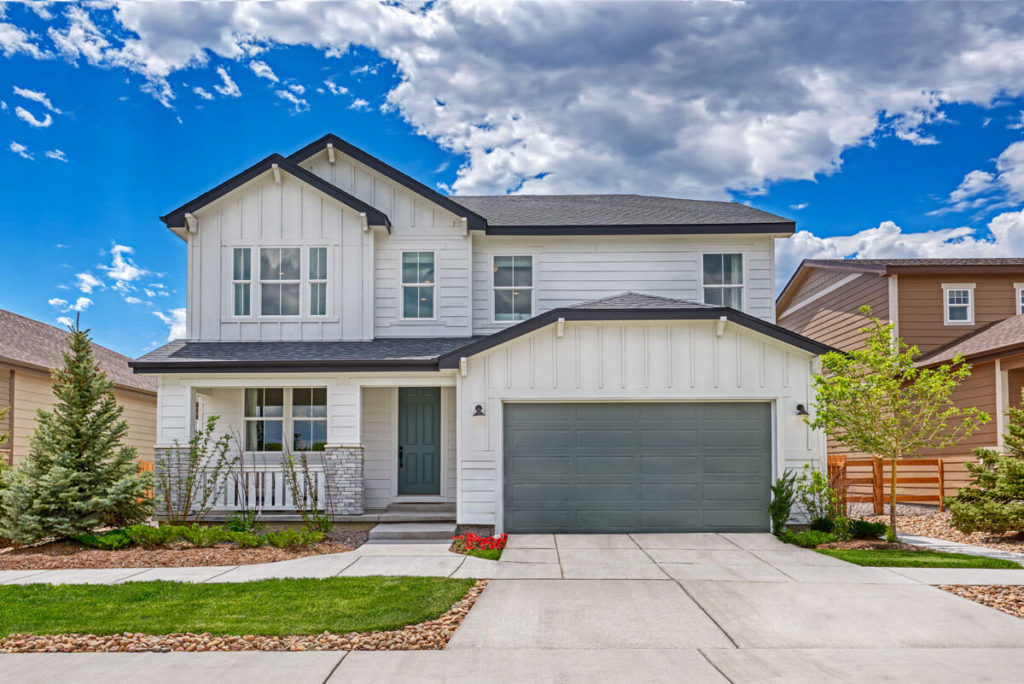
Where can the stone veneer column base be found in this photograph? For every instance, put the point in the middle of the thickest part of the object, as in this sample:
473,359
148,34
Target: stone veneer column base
343,467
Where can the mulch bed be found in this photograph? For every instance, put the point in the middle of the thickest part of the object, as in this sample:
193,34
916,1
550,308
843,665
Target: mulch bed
936,525
1009,599
868,544
425,636
62,555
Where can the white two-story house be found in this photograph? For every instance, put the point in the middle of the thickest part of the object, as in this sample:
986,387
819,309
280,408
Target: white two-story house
584,363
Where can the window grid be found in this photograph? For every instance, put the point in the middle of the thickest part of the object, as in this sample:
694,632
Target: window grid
318,281
418,283
958,305
722,281
280,278
270,413
1020,300
241,280
263,415
513,288
309,419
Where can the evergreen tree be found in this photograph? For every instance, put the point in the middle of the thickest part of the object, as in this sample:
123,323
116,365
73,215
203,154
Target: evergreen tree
78,473
994,502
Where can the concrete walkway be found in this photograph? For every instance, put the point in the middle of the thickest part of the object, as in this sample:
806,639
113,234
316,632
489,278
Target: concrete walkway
659,608
946,546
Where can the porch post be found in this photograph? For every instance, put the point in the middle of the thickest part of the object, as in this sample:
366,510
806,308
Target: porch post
343,466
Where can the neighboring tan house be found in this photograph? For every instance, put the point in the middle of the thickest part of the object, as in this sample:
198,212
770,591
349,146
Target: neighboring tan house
29,350
943,306
592,363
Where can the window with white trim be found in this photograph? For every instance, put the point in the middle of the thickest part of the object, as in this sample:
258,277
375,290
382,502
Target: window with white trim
513,288
241,280
264,419
1019,290
958,303
723,280
418,284
317,281
280,275
309,419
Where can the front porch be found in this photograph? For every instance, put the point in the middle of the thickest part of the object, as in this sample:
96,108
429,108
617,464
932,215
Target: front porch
375,453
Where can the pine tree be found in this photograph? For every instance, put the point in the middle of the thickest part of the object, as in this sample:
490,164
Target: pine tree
78,473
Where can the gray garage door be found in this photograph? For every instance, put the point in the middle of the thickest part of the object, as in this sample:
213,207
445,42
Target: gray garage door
637,467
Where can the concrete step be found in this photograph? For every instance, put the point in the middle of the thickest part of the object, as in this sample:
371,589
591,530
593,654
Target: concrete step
412,531
418,512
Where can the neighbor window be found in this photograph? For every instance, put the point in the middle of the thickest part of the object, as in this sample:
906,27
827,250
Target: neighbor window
513,288
418,285
279,281
723,280
309,419
317,281
959,302
241,280
264,419
1019,289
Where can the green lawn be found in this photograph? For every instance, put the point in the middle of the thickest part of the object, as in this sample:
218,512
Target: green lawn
489,554
897,558
271,607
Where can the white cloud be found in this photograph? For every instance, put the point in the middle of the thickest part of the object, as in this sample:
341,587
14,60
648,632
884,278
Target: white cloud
122,269
980,187
31,120
203,93
132,300
81,304
175,321
228,88
799,206
334,88
888,241
298,104
3,106
297,88
20,150
36,96
56,154
41,8
87,282
359,103
263,70
66,321
14,40
58,303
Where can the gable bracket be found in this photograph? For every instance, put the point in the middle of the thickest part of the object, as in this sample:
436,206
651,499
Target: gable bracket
191,223
330,152
720,327
277,173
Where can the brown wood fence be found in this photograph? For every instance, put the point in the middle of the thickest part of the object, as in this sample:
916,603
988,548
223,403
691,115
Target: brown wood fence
868,480
147,466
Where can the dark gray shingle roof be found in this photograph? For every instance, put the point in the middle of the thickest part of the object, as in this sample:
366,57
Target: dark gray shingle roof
605,210
636,300
993,337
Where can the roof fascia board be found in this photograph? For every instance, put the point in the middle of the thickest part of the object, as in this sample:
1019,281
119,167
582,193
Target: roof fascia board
980,269
474,220
782,229
270,366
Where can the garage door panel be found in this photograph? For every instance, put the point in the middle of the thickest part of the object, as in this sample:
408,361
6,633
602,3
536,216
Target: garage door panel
617,467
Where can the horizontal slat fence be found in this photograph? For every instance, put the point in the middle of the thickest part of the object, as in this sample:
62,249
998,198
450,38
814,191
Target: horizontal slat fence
918,480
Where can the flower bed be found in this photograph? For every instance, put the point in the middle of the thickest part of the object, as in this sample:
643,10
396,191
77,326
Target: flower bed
471,544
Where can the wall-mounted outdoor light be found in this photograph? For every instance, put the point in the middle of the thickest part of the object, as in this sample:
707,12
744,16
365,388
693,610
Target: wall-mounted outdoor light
801,410
478,410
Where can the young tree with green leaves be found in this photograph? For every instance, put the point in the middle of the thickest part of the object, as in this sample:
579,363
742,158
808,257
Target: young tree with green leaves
78,473
994,502
875,400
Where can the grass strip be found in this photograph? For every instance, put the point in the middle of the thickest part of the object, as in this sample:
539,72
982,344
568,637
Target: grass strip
489,554
900,558
270,607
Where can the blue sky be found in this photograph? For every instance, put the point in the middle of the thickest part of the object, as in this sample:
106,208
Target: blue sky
874,143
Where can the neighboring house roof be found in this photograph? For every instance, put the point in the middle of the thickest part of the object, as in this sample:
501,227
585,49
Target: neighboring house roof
474,221
993,340
28,342
384,353
375,217
619,214
886,267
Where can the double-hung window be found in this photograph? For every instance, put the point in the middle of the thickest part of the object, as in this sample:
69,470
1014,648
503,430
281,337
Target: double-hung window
264,419
279,281
241,280
418,284
317,281
959,303
1018,289
513,288
309,419
723,280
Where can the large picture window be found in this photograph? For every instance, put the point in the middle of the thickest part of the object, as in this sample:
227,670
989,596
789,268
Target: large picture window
309,419
279,281
241,280
513,288
264,419
418,284
723,280
318,281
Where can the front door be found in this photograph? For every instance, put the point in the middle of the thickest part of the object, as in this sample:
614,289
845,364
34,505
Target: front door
419,441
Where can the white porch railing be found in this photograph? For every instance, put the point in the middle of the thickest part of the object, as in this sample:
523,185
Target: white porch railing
265,488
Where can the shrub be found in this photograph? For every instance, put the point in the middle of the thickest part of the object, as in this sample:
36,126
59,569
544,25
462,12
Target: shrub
808,539
243,521
247,540
301,481
862,529
107,541
781,506
286,539
148,536
823,525
202,537
190,478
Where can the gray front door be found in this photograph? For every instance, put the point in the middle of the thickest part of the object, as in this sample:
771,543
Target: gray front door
637,467
419,440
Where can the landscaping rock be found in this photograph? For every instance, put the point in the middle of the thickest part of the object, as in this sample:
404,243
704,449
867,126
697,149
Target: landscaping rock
1007,598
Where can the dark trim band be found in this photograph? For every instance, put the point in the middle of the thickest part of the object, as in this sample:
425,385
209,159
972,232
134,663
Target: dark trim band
787,227
271,366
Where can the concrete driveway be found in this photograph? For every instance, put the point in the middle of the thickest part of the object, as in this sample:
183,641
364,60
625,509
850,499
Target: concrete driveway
652,608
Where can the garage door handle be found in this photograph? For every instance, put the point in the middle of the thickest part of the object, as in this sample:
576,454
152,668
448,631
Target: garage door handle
400,457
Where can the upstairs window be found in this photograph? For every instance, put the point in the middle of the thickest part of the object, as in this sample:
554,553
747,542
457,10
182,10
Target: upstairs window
959,303
309,419
264,419
1019,290
279,281
418,284
513,288
723,280
241,280
318,281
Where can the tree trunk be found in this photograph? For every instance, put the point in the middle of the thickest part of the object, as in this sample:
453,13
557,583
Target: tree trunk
892,499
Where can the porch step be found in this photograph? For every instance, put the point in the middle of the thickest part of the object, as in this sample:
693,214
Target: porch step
418,513
412,531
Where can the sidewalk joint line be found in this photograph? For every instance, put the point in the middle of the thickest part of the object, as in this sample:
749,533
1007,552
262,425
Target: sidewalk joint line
710,616
715,665
344,654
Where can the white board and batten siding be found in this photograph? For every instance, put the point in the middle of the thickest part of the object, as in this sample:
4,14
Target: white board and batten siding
627,361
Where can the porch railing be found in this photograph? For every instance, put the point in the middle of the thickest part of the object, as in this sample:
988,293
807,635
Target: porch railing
265,488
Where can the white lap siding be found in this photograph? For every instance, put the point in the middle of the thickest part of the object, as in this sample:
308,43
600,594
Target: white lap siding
626,361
